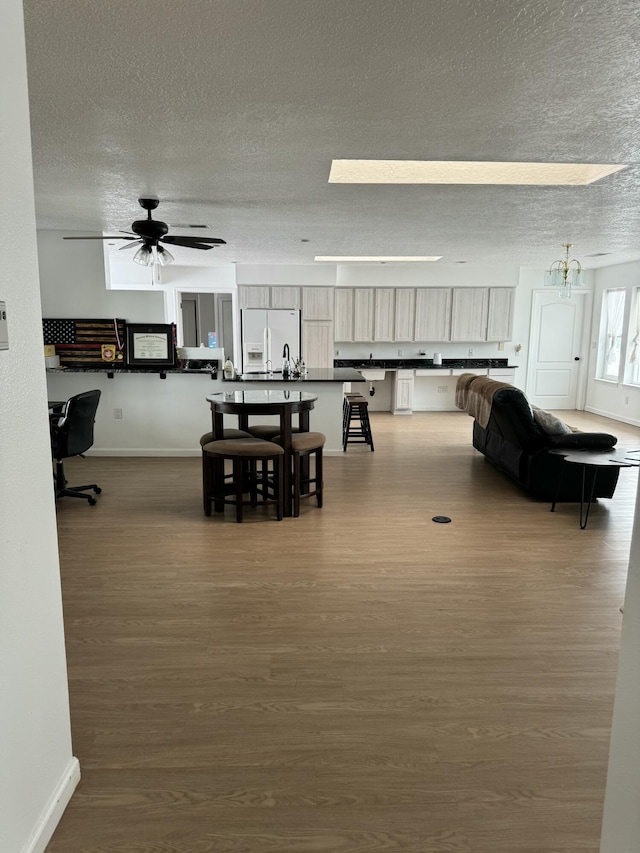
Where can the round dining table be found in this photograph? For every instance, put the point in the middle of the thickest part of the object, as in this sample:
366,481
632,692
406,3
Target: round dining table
283,403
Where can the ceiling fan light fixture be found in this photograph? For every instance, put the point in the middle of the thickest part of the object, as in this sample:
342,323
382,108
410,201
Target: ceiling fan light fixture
164,256
144,256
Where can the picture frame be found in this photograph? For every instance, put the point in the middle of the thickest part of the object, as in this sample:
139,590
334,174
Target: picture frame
150,345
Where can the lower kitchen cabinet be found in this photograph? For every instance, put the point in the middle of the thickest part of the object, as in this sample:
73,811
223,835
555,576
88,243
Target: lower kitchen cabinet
402,393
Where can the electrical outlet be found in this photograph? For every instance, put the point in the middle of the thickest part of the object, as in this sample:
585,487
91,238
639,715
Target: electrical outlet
470,352
400,352
337,352
443,389
117,414
626,401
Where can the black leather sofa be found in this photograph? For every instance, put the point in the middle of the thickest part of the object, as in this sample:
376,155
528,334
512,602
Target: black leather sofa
517,446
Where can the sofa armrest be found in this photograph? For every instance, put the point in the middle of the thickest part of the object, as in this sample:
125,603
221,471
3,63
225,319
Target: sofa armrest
582,441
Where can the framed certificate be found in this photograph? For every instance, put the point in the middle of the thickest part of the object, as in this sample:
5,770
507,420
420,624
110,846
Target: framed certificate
150,345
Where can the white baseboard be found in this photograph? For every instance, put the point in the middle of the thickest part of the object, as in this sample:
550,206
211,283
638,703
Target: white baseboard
402,411
143,451
54,809
612,417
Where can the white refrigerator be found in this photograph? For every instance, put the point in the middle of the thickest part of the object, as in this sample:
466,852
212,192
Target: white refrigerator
264,335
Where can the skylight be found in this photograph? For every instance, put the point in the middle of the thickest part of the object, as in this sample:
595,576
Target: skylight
461,172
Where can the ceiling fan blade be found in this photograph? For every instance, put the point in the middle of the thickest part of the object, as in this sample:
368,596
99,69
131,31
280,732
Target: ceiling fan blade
188,242
130,245
193,241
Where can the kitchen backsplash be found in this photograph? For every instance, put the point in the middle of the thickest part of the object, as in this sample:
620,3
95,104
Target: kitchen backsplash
417,350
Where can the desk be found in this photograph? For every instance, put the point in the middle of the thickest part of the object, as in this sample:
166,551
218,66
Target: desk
283,403
592,460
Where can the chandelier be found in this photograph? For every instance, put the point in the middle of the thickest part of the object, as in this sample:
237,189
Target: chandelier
564,274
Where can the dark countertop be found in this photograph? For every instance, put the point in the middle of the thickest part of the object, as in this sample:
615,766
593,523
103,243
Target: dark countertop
419,363
111,370
314,374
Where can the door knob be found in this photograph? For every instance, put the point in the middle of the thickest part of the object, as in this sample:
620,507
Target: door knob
577,358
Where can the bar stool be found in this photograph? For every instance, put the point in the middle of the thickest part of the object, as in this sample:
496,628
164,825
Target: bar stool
207,463
245,454
356,428
303,445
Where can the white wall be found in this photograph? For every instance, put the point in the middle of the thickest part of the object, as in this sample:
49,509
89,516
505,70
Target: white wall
612,399
37,770
73,283
621,820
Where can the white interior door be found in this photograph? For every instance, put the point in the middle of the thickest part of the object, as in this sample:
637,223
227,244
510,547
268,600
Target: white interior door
556,352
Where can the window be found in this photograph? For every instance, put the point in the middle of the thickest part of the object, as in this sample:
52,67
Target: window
611,333
632,373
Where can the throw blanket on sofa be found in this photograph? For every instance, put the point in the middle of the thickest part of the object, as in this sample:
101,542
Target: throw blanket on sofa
474,395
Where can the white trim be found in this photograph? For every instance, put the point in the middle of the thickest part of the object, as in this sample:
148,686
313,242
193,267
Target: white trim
53,811
612,417
143,451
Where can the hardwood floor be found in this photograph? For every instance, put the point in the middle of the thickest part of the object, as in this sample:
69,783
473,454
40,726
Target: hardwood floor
357,679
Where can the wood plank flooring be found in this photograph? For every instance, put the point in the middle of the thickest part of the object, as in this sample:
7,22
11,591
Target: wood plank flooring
357,679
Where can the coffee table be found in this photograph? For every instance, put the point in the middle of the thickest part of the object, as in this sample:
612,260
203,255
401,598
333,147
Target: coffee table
592,461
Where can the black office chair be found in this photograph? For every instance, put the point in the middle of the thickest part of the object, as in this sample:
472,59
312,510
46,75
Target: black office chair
72,435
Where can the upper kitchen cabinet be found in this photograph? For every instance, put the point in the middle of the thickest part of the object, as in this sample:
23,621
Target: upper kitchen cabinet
405,314
500,319
363,301
255,296
317,343
343,318
262,296
433,314
317,303
383,314
469,312
285,297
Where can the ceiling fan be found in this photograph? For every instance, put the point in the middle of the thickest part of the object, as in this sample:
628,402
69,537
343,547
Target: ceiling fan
149,233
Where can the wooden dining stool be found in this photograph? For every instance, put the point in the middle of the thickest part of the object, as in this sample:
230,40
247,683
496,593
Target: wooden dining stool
304,445
257,470
207,461
356,428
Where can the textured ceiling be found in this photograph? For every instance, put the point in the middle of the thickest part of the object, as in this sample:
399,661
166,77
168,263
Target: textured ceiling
232,110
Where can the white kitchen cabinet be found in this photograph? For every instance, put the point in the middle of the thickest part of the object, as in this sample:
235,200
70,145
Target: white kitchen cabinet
402,394
469,311
405,314
317,343
317,303
343,316
254,296
500,316
383,314
285,297
363,302
433,314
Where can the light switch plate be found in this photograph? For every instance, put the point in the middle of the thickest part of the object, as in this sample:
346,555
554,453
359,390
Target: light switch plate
4,330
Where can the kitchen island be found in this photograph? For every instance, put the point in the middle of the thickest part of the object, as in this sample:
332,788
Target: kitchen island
139,415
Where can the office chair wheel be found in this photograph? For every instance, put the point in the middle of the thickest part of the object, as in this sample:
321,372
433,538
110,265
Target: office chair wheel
92,501
97,490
